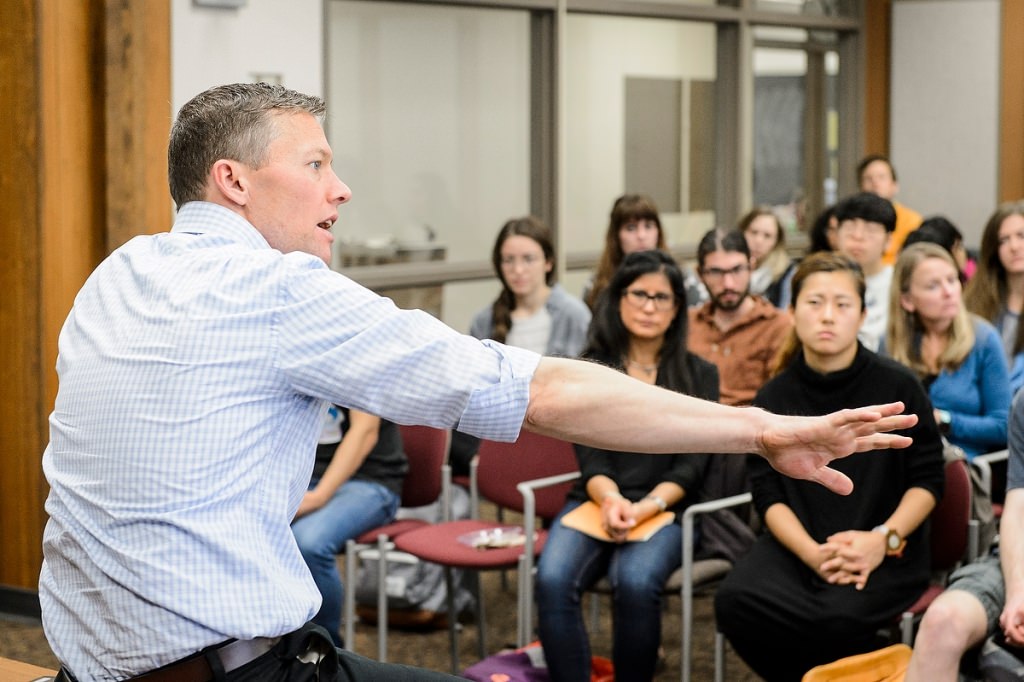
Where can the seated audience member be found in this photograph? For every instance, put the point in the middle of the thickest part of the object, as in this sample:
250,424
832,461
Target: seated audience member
823,232
996,291
639,328
822,237
532,311
939,230
634,225
985,598
356,486
769,260
957,355
877,175
831,570
865,224
737,331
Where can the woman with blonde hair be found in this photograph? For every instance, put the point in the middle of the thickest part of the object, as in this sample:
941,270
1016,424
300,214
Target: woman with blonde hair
958,356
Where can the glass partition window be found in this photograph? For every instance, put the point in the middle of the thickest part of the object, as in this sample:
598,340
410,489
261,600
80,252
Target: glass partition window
639,118
795,122
429,123
830,8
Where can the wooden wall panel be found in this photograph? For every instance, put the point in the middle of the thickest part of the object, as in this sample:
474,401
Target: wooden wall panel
138,118
63,104
877,62
22,422
1011,103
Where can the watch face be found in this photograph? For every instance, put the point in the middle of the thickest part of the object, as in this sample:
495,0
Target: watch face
893,540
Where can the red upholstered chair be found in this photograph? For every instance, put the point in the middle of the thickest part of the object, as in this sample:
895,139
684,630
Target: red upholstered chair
953,539
426,480
498,469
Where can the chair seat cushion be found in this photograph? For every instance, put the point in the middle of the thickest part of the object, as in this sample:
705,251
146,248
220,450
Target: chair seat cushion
705,571
391,530
925,600
438,543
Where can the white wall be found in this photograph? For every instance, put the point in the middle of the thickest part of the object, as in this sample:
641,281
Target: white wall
945,108
211,46
601,53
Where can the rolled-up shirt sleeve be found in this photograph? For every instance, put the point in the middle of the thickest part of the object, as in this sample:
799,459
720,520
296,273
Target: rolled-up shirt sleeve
343,343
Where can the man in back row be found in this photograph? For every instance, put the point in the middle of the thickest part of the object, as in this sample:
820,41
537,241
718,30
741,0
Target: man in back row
865,225
876,174
194,369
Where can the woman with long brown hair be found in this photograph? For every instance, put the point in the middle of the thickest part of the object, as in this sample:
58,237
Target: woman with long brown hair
633,226
996,290
532,311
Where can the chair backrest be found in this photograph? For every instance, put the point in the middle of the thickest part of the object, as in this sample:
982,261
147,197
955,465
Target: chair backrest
951,518
501,466
427,449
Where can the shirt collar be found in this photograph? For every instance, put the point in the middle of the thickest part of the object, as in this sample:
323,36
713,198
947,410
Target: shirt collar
203,217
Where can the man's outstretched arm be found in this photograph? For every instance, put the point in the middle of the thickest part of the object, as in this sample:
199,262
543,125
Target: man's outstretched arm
594,405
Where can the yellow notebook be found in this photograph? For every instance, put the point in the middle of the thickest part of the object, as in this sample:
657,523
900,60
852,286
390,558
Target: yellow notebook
586,518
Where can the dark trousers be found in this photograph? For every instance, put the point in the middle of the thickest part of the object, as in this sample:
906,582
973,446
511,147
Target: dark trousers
282,664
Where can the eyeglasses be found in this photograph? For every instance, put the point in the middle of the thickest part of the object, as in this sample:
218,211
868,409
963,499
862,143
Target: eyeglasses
527,260
719,273
638,298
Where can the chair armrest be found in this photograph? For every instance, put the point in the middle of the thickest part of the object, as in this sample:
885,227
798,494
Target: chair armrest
525,605
446,492
526,489
474,490
984,465
689,515
703,508
973,540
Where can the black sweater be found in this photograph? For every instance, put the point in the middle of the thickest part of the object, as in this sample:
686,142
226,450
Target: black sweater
636,474
880,478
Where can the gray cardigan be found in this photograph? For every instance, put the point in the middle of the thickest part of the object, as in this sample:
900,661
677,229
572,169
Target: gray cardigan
570,319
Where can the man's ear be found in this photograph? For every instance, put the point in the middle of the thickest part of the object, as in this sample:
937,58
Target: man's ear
229,180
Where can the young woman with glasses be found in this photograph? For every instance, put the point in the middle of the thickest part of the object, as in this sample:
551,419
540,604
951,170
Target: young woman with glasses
639,327
532,311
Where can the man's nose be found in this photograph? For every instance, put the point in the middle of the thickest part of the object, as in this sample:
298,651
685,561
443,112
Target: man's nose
340,193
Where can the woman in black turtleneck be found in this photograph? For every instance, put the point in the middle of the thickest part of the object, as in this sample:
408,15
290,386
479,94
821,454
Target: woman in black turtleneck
831,570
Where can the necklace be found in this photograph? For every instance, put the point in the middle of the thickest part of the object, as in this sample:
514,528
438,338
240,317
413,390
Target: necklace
646,369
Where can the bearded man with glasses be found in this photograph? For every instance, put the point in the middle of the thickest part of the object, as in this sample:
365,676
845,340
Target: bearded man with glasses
736,330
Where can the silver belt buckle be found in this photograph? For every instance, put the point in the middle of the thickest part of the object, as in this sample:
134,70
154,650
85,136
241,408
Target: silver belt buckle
241,651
